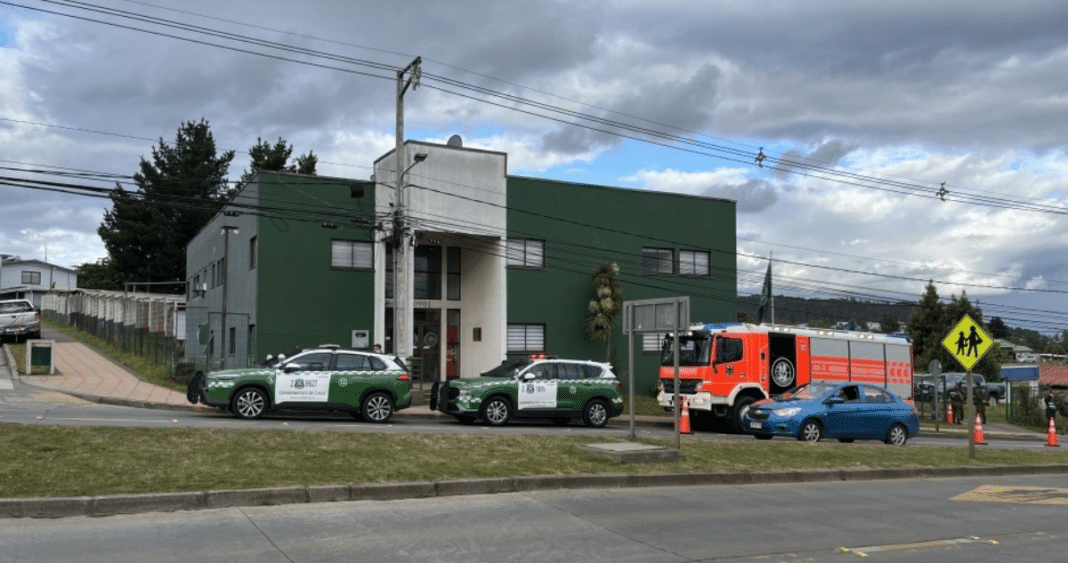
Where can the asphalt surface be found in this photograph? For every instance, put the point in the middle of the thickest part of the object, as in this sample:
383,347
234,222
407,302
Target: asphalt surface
113,384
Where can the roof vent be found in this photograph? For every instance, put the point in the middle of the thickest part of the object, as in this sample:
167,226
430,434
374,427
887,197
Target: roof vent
455,141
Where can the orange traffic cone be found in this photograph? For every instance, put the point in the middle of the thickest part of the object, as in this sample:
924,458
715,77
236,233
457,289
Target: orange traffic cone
949,414
684,420
1051,438
979,439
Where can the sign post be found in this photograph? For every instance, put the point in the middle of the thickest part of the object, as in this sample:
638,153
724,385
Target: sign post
935,369
968,342
670,314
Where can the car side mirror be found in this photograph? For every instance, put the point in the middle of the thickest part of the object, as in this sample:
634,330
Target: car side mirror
528,377
835,400
290,368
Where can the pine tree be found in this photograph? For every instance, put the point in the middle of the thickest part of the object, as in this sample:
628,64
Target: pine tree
924,325
275,158
146,231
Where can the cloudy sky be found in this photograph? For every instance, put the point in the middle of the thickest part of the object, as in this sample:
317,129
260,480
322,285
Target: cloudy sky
861,111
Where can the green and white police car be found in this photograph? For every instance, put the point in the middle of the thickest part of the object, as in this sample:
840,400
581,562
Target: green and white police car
367,386
559,390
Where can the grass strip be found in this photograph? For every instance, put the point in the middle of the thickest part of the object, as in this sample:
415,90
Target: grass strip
45,461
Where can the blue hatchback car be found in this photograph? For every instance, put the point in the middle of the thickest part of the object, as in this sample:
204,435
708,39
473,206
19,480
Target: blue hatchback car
846,411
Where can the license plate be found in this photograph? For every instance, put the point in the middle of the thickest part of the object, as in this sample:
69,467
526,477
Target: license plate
755,425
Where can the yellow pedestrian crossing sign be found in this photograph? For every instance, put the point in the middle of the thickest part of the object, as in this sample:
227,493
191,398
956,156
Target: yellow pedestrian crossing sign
968,342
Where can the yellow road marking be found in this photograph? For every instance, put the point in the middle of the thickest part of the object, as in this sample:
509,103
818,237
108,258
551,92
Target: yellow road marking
1015,494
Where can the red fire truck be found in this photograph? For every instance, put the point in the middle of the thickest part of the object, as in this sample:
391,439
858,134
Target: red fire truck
725,367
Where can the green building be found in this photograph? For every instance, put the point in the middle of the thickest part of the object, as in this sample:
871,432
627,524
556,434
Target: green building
499,265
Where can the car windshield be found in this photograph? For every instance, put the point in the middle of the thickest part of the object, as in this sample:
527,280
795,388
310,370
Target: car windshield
807,392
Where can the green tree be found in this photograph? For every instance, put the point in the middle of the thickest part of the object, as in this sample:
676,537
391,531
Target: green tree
744,317
998,329
924,326
889,324
146,231
99,275
606,306
275,158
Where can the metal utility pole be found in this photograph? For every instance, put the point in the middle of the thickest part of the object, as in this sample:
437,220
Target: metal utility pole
402,293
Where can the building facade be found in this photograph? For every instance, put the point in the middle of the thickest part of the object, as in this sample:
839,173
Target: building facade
498,265
33,279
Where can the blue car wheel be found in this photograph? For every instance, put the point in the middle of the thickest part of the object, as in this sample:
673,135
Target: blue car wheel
897,435
811,432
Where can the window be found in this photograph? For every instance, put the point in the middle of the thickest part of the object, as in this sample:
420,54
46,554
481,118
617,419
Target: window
526,253
542,372
232,344
523,339
566,370
452,278
874,395
657,261
253,246
31,278
316,361
653,342
693,263
352,362
728,350
427,276
351,255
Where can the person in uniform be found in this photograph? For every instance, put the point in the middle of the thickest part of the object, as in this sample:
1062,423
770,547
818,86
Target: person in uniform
956,399
1051,406
979,398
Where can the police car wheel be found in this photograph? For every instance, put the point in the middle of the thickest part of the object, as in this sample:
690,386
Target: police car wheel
496,411
377,407
249,403
595,415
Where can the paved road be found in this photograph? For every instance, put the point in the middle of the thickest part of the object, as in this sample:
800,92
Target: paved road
946,520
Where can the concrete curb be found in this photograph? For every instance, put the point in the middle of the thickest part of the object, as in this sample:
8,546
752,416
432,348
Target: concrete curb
10,362
110,505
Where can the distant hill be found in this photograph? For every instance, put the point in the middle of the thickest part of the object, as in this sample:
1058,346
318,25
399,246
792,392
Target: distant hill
797,310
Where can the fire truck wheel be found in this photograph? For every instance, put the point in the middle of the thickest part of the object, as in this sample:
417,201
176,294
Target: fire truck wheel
783,373
741,406
811,432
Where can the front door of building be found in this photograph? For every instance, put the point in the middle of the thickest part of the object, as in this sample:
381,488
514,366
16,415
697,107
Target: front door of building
426,347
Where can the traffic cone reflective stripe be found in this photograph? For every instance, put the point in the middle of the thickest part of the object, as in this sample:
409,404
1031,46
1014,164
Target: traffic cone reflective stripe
684,421
979,439
949,414
1051,437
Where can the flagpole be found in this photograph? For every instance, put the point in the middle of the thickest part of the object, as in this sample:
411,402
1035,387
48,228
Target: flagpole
771,258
